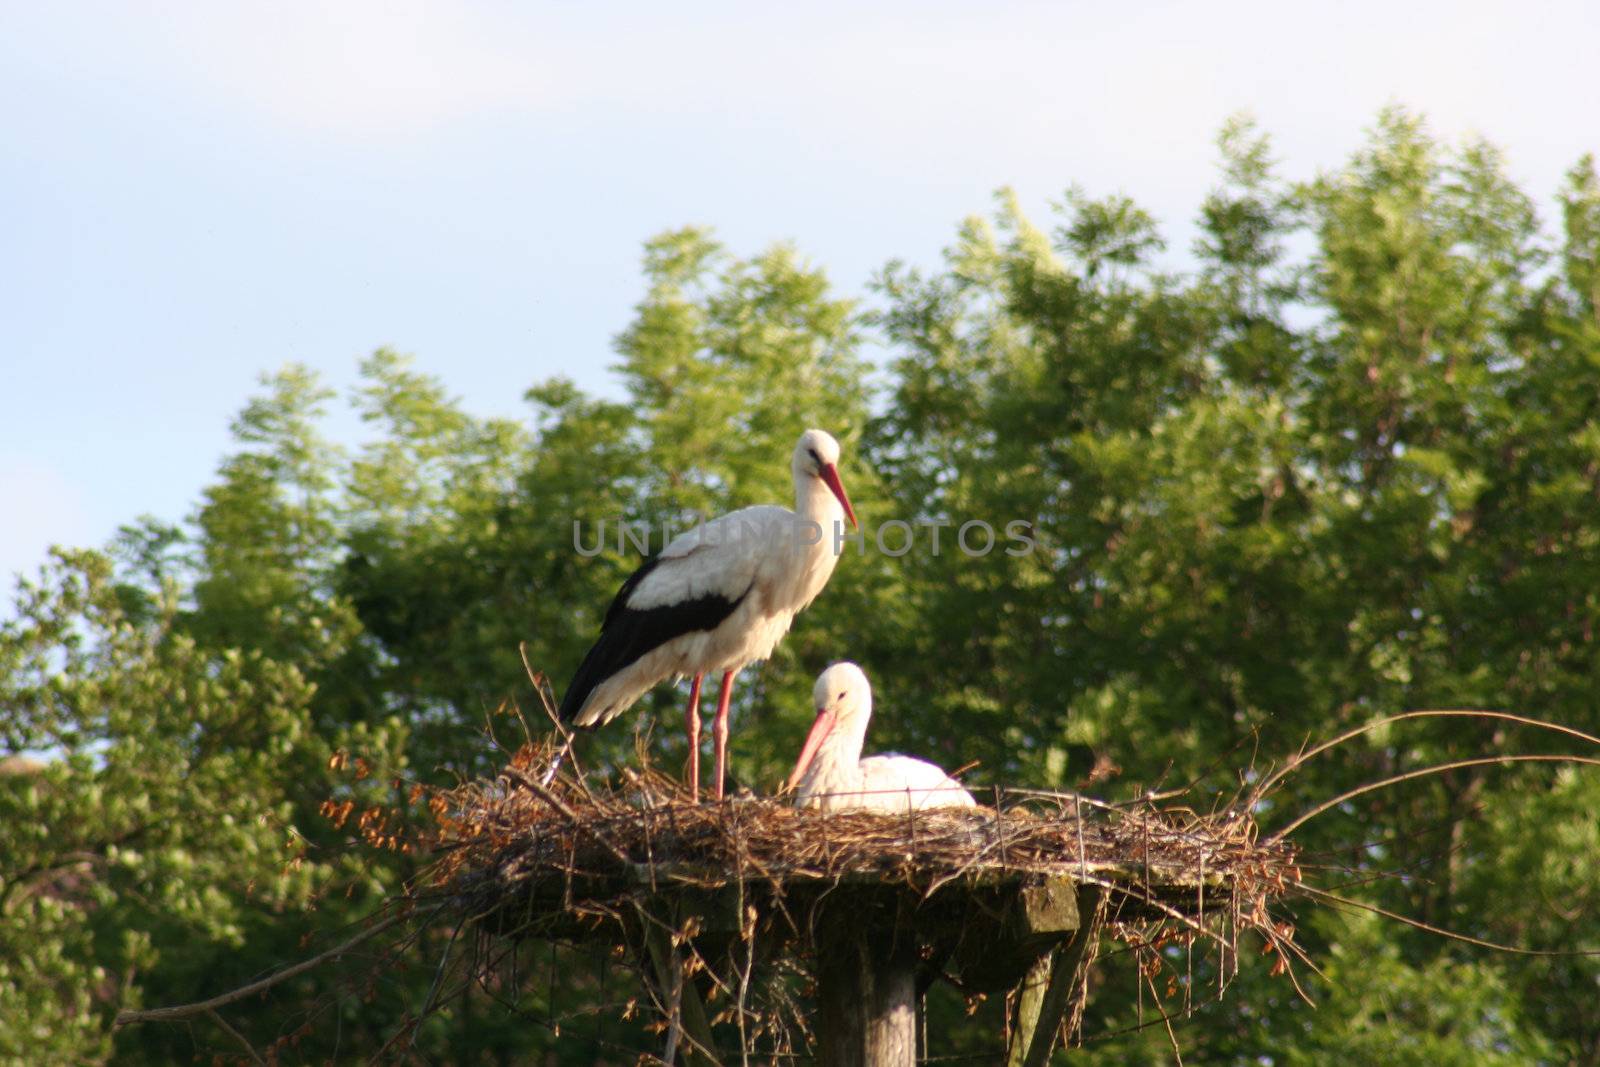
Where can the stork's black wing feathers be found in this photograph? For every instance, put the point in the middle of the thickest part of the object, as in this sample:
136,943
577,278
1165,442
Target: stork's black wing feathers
628,634
619,602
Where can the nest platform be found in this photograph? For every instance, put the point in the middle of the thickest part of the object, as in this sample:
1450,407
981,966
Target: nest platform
1013,896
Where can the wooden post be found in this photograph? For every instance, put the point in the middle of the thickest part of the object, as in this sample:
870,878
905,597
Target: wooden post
869,940
1030,998
866,987
1049,910
1065,969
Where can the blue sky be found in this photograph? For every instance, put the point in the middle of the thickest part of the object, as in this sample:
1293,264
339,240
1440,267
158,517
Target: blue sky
193,193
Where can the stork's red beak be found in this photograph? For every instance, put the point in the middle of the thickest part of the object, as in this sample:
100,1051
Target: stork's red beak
819,733
830,477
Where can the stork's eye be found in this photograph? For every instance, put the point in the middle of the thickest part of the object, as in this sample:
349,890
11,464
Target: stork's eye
839,697
815,458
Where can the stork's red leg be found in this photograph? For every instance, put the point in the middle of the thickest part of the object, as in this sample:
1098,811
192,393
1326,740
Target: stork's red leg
691,720
719,728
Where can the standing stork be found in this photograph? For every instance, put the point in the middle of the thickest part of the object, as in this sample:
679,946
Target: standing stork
715,599
832,775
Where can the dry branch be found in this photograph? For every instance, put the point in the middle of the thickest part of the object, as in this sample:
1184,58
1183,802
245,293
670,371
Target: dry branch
200,1007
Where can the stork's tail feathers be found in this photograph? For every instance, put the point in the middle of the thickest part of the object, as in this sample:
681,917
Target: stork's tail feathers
601,662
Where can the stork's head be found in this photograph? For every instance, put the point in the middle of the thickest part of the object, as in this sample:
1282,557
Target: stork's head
843,699
817,456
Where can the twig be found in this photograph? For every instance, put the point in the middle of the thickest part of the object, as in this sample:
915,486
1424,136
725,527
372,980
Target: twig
438,980
200,1007
555,802
1421,772
223,1025
1165,1019
1333,898
1433,713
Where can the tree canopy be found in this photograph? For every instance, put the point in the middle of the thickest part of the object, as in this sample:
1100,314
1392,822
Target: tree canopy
1345,464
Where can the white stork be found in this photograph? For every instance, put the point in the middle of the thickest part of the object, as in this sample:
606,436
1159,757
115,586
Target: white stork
716,598
832,775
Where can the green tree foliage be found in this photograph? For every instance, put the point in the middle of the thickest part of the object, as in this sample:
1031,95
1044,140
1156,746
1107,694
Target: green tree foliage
1346,465
150,853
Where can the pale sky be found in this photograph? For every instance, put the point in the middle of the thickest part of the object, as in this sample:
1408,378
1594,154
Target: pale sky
194,193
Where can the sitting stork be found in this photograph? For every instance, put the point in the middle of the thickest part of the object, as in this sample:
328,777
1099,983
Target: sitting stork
716,598
831,774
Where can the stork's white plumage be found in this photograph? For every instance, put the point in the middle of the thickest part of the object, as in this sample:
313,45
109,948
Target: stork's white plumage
715,599
831,775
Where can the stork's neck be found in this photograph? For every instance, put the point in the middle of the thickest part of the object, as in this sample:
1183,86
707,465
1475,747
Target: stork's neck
842,749
813,500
